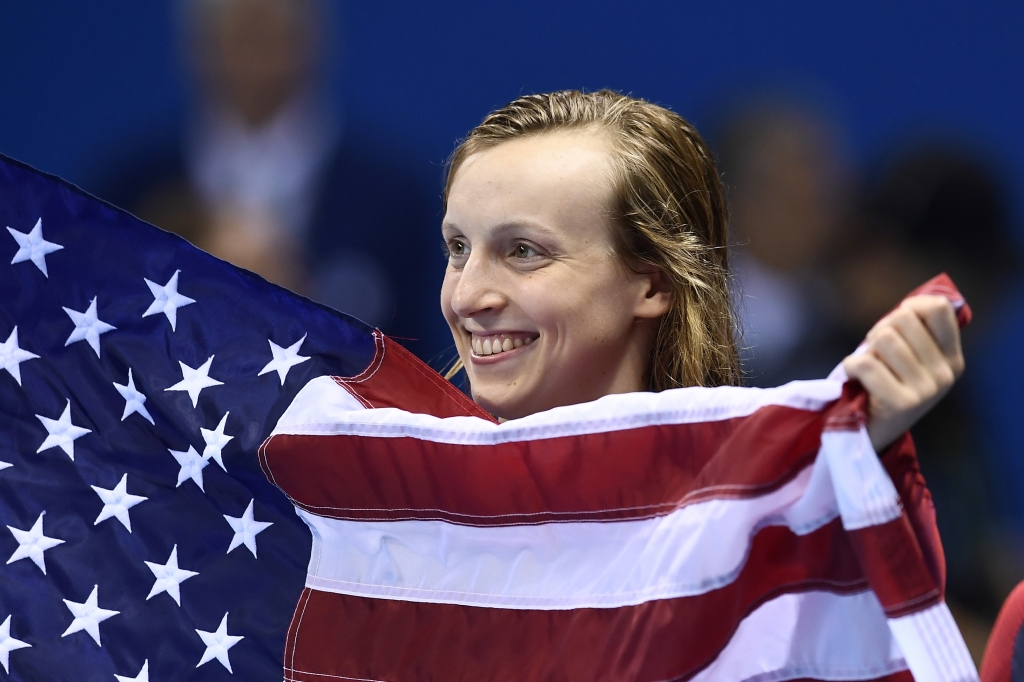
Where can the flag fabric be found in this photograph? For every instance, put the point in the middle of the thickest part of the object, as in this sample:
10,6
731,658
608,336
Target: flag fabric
155,403
693,534
138,377
1004,652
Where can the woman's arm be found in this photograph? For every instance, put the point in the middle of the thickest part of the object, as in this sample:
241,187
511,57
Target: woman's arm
912,359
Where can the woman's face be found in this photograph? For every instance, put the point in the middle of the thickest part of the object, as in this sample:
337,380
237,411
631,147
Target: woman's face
543,310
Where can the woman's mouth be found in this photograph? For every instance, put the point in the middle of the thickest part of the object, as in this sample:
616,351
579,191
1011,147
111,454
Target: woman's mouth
494,344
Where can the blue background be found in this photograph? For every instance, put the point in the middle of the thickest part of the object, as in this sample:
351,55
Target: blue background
80,81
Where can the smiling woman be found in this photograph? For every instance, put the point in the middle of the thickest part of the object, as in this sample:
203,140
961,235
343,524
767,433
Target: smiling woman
624,522
587,245
584,243
511,250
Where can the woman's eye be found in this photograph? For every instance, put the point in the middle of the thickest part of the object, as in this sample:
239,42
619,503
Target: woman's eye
523,251
457,249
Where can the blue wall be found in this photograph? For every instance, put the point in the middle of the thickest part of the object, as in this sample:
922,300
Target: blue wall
81,79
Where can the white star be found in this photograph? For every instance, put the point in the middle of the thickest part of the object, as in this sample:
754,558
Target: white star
32,246
215,441
169,577
166,299
195,380
11,356
134,401
8,644
217,644
246,529
5,465
117,502
32,543
88,616
192,466
61,432
284,358
88,327
143,675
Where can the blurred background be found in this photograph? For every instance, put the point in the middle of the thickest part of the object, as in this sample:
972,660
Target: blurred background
865,148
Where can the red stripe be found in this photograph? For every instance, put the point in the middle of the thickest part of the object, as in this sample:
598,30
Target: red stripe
380,639
894,563
900,461
625,474
397,378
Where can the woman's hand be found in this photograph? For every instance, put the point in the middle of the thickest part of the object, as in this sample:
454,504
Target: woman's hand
912,359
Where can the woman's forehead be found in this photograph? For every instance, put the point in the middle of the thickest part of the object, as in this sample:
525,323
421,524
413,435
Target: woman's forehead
561,150
547,175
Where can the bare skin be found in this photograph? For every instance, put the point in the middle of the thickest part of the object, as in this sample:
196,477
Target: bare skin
531,260
544,313
913,358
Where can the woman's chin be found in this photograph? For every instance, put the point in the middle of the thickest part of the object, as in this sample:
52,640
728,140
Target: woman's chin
504,404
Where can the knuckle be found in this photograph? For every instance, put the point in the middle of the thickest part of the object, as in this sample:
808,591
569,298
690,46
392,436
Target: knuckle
925,305
887,335
945,376
958,364
941,309
905,401
904,314
855,364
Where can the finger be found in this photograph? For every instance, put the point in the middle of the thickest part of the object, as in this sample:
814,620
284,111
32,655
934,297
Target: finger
940,319
914,331
874,375
886,418
941,371
889,346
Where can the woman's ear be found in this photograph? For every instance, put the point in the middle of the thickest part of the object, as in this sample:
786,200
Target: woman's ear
657,294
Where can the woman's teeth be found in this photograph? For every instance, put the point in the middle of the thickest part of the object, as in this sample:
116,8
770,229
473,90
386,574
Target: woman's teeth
491,345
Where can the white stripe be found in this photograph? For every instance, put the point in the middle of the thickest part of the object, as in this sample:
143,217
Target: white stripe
568,565
319,400
819,635
324,408
933,646
866,495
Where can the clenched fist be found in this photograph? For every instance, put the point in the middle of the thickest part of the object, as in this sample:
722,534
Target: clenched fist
912,359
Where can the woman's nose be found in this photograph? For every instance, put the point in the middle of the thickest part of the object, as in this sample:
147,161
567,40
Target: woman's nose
478,289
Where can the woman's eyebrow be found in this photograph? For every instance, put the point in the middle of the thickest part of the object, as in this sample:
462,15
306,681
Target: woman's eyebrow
524,223
501,229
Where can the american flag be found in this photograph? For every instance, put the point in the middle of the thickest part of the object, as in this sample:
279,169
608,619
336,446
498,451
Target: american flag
705,534
695,534
138,377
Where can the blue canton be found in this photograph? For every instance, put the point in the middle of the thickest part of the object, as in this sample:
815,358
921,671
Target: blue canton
138,377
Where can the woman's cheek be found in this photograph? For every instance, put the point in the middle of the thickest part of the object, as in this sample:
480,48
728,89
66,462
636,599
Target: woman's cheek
447,286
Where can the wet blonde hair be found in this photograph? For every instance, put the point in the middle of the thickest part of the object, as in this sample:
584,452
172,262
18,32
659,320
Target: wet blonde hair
670,211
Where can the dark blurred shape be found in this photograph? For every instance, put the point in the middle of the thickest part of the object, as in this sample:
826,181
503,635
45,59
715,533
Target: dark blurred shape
789,198
931,207
936,208
265,174
255,55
